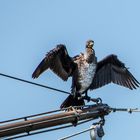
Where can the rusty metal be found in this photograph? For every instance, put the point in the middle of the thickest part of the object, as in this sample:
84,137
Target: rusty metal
30,125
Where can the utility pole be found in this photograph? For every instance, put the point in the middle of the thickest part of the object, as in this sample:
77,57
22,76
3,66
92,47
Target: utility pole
72,115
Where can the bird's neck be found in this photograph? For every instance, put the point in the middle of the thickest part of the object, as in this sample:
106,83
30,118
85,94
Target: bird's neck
89,55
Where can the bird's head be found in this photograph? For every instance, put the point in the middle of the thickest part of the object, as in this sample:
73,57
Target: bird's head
90,44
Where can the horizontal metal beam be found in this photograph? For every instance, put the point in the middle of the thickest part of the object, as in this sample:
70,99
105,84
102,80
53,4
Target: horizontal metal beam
71,116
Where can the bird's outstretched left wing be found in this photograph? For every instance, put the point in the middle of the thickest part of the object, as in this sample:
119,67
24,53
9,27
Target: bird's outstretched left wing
58,61
111,69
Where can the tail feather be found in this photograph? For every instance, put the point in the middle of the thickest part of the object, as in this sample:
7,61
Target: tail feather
72,101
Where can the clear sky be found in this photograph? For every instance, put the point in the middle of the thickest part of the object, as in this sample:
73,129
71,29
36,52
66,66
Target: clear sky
30,28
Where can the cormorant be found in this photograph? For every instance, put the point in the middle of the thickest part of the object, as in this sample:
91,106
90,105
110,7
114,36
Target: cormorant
85,71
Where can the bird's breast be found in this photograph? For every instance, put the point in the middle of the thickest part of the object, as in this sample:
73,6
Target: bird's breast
86,74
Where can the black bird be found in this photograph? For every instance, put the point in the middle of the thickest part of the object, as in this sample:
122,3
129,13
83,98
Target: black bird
85,71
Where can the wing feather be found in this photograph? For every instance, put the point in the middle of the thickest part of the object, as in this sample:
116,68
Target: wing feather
111,69
59,61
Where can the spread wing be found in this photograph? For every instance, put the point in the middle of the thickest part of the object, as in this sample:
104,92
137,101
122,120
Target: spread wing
58,61
111,69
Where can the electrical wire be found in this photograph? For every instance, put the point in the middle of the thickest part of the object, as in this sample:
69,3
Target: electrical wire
48,130
129,110
75,134
57,128
44,113
66,126
36,84
30,116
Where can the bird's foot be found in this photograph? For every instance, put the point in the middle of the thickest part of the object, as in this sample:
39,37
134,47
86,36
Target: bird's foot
71,108
96,100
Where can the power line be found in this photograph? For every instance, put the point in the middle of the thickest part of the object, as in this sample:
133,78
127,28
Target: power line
31,125
75,134
129,110
47,130
32,83
30,116
42,114
73,116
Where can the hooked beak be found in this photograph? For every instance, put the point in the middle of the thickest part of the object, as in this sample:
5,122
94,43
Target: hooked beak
91,44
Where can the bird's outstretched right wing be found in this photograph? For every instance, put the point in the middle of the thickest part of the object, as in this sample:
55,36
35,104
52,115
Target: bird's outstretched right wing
59,61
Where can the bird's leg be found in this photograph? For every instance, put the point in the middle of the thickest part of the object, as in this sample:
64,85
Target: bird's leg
87,97
96,100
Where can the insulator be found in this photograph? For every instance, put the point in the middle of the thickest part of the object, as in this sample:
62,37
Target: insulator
97,132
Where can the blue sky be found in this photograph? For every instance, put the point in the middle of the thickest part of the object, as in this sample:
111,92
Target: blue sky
30,28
